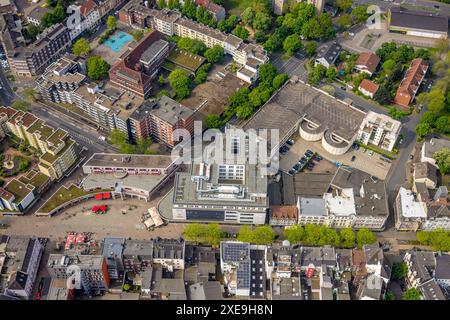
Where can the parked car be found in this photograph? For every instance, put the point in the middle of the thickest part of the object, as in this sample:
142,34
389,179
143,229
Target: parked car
290,142
370,153
317,158
296,166
291,172
353,158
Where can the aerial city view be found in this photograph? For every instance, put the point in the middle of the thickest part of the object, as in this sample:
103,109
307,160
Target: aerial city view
232,150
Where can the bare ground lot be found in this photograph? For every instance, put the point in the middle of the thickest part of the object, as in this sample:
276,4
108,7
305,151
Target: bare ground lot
212,96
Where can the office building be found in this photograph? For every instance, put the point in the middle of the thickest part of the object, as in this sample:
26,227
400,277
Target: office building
128,175
21,258
93,271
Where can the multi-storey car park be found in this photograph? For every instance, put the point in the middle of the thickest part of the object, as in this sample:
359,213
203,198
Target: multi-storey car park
318,116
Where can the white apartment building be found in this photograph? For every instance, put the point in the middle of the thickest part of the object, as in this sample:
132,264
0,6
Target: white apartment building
380,130
89,15
410,213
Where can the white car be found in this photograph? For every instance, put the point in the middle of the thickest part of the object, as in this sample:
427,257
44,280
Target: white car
370,153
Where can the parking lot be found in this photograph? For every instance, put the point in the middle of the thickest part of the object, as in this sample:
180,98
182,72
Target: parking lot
371,164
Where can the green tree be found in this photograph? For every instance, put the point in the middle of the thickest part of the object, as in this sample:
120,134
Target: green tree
263,235
192,45
189,9
180,82
311,29
347,237
365,236
294,234
423,129
311,48
443,160
279,80
200,77
436,100
32,31
399,271
443,124
97,68
344,21
213,121
214,54
117,137
161,4
245,234
241,32
137,34
389,296
267,72
383,96
111,23
21,105
30,94
81,47
161,80
143,145
388,66
213,234
262,21
360,13
412,294
194,232
344,5
248,15
164,93
292,44
428,117
331,73
244,111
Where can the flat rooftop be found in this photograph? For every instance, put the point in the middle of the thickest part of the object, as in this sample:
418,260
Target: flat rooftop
369,192
110,181
115,160
254,183
401,17
297,101
305,184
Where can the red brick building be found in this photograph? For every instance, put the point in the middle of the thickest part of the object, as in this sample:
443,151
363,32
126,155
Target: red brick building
159,120
135,71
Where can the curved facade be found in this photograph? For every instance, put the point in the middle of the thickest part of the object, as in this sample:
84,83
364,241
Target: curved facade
333,144
311,132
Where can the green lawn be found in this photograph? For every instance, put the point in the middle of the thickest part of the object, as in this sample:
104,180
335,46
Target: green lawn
62,196
236,6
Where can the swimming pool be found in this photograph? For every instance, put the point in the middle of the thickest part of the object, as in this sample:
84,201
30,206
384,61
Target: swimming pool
116,42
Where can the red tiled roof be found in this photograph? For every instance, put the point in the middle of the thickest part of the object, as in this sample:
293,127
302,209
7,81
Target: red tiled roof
283,212
87,7
411,82
369,60
6,194
369,86
9,112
